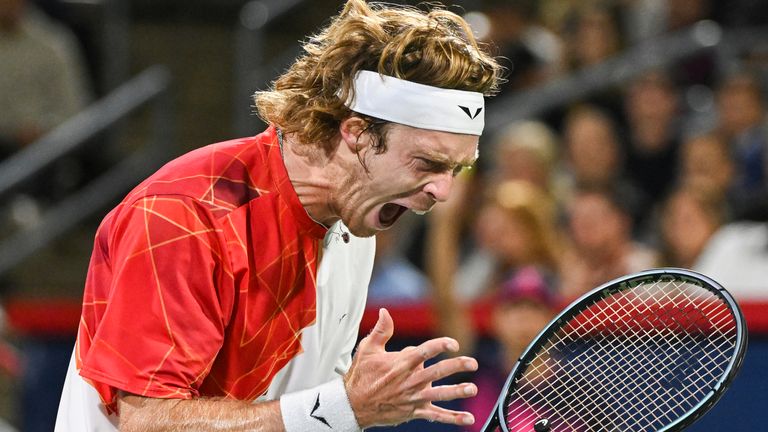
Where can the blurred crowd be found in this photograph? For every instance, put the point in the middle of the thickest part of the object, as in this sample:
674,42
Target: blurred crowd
668,169
45,79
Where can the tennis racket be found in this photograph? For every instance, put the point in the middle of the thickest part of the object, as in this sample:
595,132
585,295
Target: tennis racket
652,351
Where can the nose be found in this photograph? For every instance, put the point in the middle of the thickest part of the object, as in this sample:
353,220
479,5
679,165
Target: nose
439,187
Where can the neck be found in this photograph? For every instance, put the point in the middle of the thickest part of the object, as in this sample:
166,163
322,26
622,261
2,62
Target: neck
315,176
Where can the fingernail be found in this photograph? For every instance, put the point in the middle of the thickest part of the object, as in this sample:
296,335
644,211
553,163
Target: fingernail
470,365
469,419
452,345
470,390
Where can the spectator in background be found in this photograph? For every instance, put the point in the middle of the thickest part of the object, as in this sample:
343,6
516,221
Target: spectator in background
520,309
41,75
531,53
651,110
593,151
527,151
706,163
688,219
600,245
592,33
516,227
699,68
594,158
742,114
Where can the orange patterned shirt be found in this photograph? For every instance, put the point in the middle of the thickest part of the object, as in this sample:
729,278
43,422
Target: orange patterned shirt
201,279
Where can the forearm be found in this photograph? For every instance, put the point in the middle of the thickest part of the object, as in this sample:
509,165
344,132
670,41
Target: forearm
140,414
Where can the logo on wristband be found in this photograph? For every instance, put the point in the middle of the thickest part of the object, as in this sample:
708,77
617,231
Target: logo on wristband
318,417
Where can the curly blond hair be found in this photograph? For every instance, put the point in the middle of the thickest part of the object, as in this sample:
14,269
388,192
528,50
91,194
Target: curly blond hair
435,48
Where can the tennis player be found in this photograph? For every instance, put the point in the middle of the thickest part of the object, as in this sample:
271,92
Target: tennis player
225,292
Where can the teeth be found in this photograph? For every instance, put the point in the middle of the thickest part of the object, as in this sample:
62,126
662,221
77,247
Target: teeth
420,212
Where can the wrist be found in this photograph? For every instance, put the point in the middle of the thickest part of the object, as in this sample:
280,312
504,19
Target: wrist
322,408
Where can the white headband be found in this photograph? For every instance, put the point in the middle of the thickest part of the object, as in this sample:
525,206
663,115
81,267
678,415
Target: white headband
418,105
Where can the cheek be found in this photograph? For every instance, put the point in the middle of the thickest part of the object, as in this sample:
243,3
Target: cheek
391,176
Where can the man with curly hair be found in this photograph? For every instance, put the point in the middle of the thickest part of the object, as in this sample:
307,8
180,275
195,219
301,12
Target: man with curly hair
225,292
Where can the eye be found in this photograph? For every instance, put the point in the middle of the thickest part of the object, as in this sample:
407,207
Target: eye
431,165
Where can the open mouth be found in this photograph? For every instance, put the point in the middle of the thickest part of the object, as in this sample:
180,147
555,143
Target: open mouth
389,213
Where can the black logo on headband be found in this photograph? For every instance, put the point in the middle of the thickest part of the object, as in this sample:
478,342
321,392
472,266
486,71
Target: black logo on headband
469,113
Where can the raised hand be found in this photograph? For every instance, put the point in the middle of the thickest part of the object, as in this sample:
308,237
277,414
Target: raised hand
386,388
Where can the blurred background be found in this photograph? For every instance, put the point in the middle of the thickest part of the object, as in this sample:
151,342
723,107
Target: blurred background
630,134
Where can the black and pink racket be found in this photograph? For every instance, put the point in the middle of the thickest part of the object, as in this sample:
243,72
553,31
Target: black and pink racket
651,351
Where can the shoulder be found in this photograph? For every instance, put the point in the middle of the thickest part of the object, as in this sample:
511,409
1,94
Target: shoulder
209,181
222,175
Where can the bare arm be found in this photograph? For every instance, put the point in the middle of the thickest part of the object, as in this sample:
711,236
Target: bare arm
382,387
141,414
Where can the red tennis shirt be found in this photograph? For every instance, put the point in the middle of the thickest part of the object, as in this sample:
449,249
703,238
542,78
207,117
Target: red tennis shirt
201,279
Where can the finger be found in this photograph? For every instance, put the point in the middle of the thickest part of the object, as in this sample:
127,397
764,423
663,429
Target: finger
428,350
446,368
448,392
377,340
442,415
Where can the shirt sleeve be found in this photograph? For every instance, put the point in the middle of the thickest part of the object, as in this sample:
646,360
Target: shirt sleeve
168,301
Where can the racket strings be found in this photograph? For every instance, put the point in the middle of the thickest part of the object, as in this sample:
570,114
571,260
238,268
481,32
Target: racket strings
612,394
601,377
609,377
639,358
606,401
611,414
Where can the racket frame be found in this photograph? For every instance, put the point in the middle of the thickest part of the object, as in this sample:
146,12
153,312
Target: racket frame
621,284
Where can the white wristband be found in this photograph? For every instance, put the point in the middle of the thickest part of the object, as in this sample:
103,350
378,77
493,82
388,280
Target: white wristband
323,408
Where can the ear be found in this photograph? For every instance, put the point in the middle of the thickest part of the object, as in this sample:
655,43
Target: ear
353,134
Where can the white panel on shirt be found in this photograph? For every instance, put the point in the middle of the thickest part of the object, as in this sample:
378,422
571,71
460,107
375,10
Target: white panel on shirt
342,287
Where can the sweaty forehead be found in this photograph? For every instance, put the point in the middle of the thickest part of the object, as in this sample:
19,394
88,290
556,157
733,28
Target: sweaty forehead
446,147
463,160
